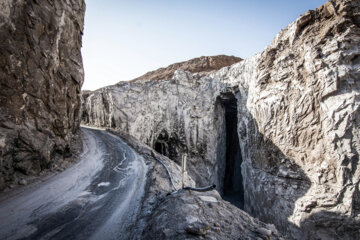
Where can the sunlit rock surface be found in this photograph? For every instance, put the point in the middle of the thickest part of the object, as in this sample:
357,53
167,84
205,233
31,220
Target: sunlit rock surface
298,123
41,74
201,65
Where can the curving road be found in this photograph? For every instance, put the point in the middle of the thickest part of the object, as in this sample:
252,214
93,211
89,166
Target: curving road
97,198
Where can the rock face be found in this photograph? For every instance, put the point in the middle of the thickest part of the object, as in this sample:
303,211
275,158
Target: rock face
192,215
187,214
201,65
41,74
297,121
305,102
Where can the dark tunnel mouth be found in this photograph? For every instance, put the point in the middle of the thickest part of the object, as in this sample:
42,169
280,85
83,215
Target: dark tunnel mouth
233,190
160,148
169,145
161,143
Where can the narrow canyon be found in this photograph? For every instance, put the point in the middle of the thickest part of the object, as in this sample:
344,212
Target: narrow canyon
278,134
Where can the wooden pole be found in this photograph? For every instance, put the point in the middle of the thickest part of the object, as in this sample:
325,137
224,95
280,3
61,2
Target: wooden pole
183,169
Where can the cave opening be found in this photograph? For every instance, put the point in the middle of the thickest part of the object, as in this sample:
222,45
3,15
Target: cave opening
232,190
169,145
160,148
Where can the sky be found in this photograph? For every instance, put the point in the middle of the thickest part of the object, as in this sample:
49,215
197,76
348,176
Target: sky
124,39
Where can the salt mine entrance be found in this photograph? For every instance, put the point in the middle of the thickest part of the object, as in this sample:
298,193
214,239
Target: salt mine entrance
233,190
169,145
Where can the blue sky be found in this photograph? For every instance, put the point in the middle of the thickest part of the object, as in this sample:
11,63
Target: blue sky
125,39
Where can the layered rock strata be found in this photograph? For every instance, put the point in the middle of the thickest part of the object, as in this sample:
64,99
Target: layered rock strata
41,74
298,123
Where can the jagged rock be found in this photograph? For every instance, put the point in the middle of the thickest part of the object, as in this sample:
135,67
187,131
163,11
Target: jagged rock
187,214
298,123
197,228
22,182
41,74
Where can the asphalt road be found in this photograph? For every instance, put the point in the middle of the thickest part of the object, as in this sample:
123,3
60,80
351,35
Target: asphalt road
97,198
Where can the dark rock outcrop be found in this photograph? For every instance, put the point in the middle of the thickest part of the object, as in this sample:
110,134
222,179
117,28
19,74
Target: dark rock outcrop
298,123
41,74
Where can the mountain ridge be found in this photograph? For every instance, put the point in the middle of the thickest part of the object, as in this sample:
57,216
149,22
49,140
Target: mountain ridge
202,65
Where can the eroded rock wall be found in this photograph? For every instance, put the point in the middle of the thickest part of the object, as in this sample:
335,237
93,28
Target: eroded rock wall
41,74
305,103
181,113
298,123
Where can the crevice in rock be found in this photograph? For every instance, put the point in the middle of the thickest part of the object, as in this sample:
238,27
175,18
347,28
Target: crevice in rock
232,189
169,145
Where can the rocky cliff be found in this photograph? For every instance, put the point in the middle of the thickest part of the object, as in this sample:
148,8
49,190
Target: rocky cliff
41,74
294,161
